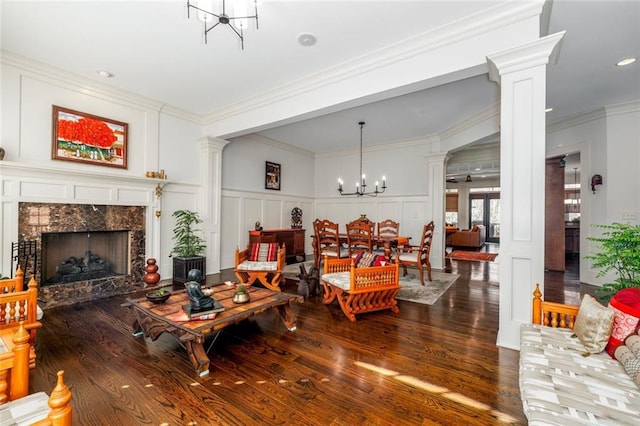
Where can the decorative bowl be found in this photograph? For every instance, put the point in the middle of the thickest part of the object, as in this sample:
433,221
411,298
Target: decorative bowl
158,296
241,297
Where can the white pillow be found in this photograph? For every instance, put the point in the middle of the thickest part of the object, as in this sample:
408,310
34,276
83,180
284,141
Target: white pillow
593,325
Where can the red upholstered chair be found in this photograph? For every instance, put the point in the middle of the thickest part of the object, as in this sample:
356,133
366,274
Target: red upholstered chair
262,262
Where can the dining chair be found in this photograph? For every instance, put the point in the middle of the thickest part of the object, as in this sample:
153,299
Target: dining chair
418,255
327,241
386,229
360,236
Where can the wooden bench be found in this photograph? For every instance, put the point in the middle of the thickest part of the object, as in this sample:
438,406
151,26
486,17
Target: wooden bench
19,306
269,274
360,290
39,409
559,384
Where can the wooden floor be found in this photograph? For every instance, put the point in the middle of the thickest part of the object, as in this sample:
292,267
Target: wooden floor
434,364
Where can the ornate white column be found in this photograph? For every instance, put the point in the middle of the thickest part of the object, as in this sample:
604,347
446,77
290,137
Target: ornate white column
521,73
436,169
210,197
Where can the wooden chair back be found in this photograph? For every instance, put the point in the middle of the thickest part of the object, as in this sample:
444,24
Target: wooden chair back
360,236
425,241
328,238
388,228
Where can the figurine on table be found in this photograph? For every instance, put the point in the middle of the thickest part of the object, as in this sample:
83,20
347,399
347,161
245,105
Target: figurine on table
199,301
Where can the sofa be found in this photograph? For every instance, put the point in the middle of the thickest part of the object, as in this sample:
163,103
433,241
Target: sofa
471,238
565,380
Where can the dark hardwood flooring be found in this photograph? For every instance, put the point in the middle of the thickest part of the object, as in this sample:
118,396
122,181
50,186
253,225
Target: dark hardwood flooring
428,365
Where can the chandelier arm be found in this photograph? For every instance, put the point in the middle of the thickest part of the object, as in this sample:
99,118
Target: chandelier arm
206,30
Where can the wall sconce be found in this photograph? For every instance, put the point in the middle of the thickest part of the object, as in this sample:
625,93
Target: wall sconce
595,180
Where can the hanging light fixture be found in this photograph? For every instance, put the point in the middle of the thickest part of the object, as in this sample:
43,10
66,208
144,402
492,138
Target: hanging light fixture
238,23
361,187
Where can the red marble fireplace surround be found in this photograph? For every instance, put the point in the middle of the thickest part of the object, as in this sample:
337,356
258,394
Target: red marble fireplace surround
34,219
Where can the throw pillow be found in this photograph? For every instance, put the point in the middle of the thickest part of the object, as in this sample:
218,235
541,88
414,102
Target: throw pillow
366,260
626,304
593,324
264,252
630,362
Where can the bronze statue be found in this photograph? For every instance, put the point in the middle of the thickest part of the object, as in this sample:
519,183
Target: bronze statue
199,301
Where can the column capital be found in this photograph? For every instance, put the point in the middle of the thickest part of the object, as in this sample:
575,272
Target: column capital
213,143
538,52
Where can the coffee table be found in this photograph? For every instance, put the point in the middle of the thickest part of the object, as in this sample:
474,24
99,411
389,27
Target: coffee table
154,319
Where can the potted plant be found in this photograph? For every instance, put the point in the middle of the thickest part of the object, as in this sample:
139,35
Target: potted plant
619,252
189,246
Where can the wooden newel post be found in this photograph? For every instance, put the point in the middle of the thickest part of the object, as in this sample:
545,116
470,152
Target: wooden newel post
537,306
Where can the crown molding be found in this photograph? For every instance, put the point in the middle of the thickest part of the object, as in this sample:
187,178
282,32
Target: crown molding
469,122
254,137
470,27
626,108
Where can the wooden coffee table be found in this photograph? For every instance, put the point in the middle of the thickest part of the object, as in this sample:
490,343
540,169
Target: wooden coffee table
154,319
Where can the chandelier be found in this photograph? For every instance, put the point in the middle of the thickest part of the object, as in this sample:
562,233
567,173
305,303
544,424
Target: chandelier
361,187
238,22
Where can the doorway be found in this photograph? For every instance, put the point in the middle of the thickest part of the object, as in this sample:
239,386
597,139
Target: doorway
484,209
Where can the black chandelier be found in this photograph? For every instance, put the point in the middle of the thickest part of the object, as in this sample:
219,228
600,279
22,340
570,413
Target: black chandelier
236,23
361,187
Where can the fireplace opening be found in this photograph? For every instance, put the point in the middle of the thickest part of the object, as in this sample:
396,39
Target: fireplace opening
81,256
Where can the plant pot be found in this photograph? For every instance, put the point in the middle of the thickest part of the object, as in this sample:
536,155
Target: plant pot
182,266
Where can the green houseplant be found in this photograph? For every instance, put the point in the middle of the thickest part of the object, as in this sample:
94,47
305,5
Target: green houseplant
619,252
189,246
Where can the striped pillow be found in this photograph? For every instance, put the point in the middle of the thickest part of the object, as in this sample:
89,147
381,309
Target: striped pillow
264,252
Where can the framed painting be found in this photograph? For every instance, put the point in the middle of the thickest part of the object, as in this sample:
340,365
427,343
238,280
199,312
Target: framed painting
87,138
272,176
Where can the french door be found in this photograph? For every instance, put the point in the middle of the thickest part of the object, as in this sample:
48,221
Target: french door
485,210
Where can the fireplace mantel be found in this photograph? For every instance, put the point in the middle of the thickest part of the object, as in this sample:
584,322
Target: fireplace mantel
38,183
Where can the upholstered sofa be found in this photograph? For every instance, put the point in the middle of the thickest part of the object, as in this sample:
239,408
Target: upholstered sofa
564,380
474,237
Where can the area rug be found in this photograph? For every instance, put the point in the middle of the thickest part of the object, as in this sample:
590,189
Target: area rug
413,291
472,255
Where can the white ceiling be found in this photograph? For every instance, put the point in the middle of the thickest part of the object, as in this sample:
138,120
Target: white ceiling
153,50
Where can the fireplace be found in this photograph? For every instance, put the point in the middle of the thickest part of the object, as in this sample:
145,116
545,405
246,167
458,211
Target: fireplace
87,251
81,256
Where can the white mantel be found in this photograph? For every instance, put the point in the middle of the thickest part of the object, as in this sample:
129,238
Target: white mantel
21,182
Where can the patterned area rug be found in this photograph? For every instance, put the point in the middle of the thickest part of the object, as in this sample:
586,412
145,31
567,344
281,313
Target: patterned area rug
472,255
413,291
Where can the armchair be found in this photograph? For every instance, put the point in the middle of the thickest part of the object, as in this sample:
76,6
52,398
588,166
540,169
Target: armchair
263,262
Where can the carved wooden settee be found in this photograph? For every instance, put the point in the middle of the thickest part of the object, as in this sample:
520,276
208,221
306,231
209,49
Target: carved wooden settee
561,383
18,305
360,290
252,265
39,409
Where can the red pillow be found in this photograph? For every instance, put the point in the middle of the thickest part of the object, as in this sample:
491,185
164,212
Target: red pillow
366,260
626,304
264,252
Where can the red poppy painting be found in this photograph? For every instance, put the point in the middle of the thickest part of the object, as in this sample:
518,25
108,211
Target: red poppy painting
86,138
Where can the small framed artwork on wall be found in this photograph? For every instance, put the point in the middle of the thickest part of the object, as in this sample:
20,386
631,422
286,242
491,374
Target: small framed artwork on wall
272,176
87,138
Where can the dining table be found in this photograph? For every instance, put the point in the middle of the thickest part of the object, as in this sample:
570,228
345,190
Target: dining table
387,242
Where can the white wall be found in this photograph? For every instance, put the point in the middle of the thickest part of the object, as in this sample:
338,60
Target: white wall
609,145
29,90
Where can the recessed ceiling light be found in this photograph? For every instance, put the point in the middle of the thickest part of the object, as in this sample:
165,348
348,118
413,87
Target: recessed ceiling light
548,110
626,61
105,74
306,39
